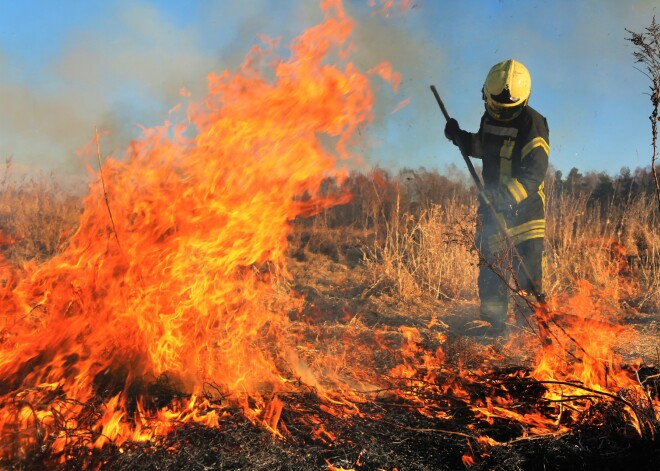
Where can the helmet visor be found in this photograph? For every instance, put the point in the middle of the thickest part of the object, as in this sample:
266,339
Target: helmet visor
504,111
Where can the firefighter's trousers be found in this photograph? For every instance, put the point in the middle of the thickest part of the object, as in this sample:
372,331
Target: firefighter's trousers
501,274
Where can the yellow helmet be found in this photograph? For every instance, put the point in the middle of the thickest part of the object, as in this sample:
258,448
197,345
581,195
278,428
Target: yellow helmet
506,90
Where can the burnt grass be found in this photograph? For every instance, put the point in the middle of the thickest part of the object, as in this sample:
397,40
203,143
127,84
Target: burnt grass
399,439
391,433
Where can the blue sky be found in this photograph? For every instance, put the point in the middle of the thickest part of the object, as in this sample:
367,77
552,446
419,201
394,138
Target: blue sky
70,66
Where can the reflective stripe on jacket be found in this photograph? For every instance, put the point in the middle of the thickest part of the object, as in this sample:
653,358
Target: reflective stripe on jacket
515,155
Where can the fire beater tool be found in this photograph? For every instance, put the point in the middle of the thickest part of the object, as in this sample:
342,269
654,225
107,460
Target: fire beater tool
541,310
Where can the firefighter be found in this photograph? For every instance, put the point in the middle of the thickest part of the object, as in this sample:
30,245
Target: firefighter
513,144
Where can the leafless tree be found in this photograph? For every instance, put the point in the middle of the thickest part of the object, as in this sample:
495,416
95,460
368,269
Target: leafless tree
648,53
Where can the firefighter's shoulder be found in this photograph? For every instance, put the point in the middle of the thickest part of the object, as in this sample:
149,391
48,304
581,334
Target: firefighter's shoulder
535,120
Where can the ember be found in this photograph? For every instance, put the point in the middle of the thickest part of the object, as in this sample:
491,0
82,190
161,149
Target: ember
172,331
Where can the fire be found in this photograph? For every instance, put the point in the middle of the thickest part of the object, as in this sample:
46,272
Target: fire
172,277
586,329
579,366
173,268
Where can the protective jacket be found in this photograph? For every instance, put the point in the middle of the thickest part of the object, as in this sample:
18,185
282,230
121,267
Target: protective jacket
515,160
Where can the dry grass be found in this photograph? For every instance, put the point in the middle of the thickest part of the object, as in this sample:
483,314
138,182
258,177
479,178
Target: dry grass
427,253
36,217
616,247
406,249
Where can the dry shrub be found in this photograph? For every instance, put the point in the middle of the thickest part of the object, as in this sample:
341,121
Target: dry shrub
427,254
341,244
614,246
640,235
617,247
412,233
36,217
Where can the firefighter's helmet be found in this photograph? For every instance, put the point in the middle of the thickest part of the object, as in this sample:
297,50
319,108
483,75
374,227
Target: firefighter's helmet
506,90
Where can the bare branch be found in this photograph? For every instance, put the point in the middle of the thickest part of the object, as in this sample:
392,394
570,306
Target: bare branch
648,53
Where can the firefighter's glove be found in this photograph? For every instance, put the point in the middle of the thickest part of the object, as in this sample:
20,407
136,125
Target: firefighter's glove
501,199
452,129
455,134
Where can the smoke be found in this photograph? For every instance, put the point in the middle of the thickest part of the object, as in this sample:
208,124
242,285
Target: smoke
127,69
420,62
398,39
126,74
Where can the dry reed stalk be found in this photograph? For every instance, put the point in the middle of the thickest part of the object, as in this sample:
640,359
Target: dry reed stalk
427,254
585,243
36,216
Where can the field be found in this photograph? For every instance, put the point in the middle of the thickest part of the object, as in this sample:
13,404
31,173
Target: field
383,286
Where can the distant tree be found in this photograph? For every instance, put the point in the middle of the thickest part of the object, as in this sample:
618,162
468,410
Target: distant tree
648,53
624,184
603,191
625,179
573,180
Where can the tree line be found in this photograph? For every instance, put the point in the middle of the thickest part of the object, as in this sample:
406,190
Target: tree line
379,193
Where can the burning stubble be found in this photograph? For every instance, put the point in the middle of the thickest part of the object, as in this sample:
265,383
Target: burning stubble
176,313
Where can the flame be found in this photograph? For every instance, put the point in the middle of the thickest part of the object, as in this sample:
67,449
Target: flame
578,366
402,104
587,327
172,271
584,328
384,70
335,468
173,277
468,460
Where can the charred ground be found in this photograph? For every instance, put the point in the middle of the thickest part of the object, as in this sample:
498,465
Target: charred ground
392,433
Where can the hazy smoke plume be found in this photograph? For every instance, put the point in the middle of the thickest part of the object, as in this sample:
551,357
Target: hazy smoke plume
128,74
128,70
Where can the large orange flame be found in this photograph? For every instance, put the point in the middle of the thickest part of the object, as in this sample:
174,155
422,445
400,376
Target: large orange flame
170,272
172,275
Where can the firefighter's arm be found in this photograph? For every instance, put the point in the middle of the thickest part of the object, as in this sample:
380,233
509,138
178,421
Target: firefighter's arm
468,142
458,136
534,164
